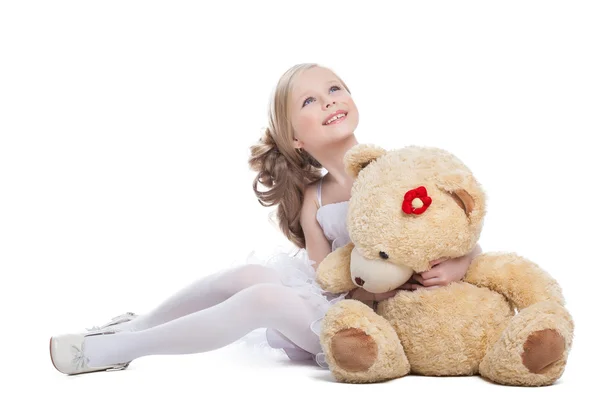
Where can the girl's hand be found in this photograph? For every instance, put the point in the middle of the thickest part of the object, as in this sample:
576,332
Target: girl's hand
446,272
411,285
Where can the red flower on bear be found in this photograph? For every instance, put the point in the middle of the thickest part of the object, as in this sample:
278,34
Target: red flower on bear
416,201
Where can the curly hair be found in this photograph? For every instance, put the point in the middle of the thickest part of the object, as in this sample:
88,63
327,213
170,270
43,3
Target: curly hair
282,169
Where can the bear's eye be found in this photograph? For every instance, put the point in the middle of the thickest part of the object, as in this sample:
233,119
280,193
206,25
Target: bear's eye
383,255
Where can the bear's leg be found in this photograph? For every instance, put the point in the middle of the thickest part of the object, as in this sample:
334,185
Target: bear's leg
361,346
533,349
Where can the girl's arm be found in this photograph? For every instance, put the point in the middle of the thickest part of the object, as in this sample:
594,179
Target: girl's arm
317,245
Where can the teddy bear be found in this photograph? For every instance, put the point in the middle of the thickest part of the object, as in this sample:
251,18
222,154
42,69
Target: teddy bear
410,208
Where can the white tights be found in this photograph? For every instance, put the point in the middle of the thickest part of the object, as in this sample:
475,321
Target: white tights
211,313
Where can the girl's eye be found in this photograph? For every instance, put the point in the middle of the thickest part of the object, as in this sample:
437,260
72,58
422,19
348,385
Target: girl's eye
336,87
303,104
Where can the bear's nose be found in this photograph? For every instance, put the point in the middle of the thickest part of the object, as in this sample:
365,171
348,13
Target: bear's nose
359,281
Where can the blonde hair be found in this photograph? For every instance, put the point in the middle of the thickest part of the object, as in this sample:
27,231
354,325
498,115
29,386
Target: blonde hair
282,169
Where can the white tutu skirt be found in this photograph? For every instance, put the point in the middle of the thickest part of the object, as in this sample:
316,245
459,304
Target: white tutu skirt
297,272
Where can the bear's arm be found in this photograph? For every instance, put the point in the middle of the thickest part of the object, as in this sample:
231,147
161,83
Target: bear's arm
333,273
521,281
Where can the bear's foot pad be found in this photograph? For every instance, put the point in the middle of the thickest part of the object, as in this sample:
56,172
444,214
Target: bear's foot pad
354,350
541,349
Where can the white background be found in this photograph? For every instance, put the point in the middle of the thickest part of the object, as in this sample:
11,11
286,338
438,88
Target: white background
125,130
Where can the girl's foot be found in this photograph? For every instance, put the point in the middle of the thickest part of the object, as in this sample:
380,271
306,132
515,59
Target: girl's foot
67,353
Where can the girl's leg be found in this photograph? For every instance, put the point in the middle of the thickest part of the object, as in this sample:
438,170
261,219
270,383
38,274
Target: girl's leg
203,293
259,306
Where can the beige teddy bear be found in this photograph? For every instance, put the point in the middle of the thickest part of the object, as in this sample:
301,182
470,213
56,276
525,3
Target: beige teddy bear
506,319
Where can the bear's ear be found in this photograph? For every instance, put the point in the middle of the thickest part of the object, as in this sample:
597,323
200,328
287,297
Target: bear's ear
359,156
464,200
465,191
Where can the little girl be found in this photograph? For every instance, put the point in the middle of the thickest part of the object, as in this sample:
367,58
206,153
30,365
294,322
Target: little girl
311,125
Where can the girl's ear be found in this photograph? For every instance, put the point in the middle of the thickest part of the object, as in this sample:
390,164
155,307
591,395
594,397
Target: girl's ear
359,156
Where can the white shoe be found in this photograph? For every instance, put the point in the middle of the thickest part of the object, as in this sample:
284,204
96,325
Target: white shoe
113,324
67,353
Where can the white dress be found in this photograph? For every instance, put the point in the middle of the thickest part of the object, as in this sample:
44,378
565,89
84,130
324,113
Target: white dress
298,272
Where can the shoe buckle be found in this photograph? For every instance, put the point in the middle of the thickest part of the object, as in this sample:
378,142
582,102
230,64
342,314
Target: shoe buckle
128,316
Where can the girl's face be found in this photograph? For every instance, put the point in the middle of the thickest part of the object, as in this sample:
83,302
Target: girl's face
316,97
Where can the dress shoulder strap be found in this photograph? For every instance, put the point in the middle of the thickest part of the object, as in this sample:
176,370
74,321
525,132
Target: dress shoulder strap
319,191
